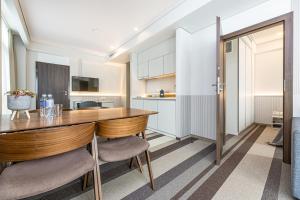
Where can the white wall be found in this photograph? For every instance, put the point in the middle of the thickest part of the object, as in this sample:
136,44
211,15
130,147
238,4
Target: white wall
111,77
269,68
202,76
20,62
203,57
183,84
137,87
203,62
166,83
268,80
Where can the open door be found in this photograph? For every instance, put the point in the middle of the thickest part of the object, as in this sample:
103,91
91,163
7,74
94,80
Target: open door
220,128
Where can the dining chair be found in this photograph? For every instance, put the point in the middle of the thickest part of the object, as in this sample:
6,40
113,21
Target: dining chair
45,159
123,141
38,110
88,104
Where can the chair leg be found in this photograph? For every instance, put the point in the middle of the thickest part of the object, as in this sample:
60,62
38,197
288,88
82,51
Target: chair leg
96,171
85,181
149,169
131,163
139,162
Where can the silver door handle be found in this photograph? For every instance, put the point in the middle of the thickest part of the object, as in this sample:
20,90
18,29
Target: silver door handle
66,92
219,86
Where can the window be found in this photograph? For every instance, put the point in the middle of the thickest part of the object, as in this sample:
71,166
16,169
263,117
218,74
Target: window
5,66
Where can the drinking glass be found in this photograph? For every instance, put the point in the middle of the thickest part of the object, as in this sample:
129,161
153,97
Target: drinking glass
58,109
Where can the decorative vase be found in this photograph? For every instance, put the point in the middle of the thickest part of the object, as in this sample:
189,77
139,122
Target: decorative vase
18,103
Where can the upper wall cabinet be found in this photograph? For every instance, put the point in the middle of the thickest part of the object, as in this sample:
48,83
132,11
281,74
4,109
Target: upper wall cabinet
158,60
169,63
156,67
143,70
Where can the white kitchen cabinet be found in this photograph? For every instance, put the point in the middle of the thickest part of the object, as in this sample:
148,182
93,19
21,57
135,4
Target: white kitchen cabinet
169,64
164,121
151,61
137,103
143,70
140,73
152,106
166,116
156,67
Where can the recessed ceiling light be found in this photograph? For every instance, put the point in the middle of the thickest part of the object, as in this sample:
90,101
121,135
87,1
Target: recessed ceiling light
136,29
95,30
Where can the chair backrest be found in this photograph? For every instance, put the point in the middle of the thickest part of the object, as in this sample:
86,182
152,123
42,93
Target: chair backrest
38,110
122,127
30,145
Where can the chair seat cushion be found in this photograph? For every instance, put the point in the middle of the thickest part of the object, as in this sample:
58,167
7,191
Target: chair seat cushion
34,177
121,148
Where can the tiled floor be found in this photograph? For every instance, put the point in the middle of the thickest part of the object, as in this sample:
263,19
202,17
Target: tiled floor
251,177
185,169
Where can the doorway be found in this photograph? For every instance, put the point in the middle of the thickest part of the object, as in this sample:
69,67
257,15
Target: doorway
255,75
53,79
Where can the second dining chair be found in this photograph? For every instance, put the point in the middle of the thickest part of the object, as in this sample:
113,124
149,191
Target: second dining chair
46,159
123,143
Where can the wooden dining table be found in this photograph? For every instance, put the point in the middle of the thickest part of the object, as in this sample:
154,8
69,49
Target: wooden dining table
68,118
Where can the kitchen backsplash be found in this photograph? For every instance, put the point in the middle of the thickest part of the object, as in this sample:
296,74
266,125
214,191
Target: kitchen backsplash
167,83
117,100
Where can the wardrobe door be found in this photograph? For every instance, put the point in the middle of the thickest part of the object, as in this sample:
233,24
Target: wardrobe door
248,65
242,85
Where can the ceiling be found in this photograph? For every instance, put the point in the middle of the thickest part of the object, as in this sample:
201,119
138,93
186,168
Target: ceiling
206,15
201,18
95,25
269,34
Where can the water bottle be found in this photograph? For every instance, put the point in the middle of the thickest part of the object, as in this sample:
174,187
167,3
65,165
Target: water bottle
43,105
50,105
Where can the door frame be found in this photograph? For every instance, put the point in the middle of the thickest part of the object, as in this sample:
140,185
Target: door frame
220,101
287,21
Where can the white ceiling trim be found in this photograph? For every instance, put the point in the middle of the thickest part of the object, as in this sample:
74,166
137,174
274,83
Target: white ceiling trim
63,50
45,45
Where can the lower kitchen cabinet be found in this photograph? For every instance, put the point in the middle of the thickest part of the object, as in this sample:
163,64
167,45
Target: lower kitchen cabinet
152,120
137,103
167,116
165,120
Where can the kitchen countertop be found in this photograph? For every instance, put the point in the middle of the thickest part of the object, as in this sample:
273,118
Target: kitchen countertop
155,98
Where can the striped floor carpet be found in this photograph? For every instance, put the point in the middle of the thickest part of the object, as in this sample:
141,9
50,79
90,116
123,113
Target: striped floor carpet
185,169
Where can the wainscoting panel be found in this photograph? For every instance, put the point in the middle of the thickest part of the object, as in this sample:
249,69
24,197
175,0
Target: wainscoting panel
264,107
183,115
203,116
